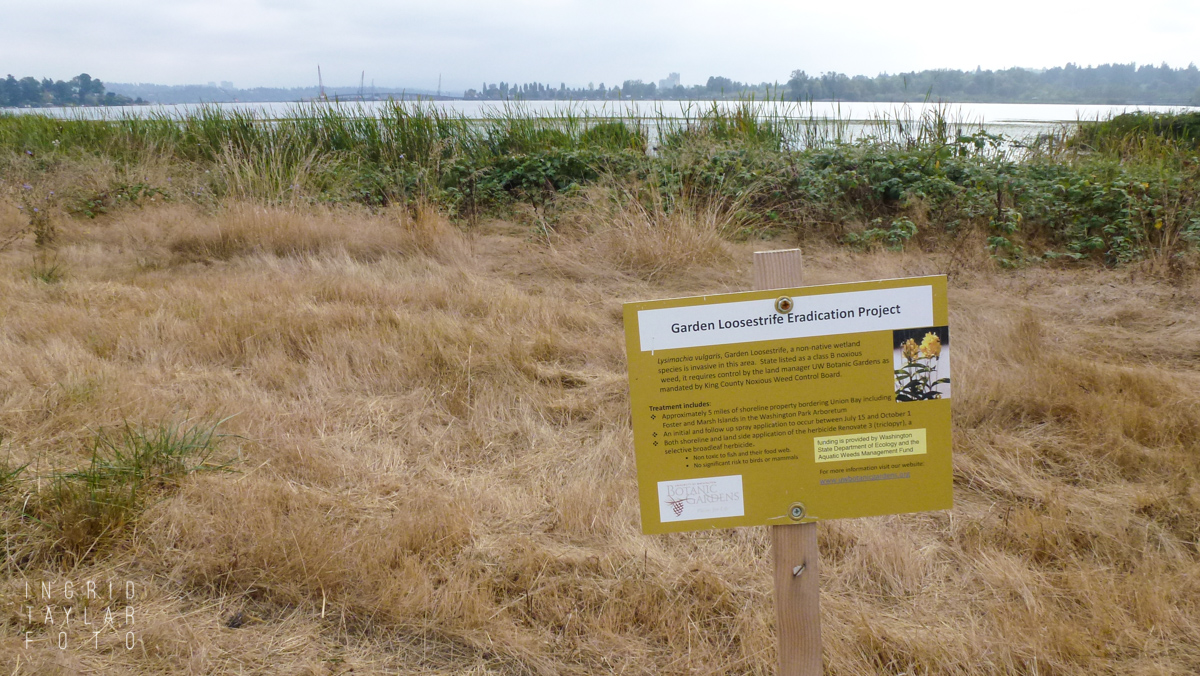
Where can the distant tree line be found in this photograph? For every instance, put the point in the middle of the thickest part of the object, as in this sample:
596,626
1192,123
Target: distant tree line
1106,84
714,88
199,93
81,90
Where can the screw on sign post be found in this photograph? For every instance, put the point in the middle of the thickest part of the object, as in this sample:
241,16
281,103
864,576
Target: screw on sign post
793,547
790,405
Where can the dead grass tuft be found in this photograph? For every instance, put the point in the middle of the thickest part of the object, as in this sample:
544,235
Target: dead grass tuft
644,235
247,229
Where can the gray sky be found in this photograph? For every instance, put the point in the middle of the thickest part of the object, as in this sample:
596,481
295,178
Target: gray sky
406,43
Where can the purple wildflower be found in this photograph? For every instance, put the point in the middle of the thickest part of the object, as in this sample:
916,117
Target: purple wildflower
27,186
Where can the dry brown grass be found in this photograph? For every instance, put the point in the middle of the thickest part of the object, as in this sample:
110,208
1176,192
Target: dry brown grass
435,471
640,235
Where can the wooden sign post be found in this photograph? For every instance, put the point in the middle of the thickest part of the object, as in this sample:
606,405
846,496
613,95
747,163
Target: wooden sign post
786,406
793,547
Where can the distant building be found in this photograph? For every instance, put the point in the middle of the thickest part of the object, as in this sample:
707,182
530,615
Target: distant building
671,82
212,84
226,84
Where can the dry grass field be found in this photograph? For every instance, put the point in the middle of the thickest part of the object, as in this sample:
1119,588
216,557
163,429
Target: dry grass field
422,460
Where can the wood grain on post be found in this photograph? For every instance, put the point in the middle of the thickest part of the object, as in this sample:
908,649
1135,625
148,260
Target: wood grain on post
797,597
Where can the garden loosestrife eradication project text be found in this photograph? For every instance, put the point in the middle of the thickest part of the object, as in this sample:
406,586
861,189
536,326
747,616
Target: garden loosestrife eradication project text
722,393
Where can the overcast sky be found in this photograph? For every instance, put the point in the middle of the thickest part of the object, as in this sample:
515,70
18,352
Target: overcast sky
401,43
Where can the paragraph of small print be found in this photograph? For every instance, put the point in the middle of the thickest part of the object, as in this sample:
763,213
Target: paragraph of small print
870,445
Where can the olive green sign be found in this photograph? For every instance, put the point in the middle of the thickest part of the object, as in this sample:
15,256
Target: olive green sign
793,405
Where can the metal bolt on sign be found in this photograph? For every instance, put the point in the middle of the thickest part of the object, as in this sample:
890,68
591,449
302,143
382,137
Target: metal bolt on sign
796,511
784,304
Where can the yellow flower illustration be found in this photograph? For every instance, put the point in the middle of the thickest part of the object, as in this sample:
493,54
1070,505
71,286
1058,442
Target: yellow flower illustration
931,346
920,377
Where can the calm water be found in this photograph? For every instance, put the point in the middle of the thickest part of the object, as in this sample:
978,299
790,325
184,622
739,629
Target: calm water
1018,120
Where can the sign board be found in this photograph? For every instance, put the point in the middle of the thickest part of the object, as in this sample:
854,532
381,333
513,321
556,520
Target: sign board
792,405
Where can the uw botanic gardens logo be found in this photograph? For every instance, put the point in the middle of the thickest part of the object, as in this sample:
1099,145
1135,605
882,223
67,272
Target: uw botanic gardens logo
708,498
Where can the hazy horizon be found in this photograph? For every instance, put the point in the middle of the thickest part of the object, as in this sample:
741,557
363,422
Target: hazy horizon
275,43
378,86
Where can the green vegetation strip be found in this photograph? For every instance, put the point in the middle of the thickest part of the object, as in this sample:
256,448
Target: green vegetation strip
1116,191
